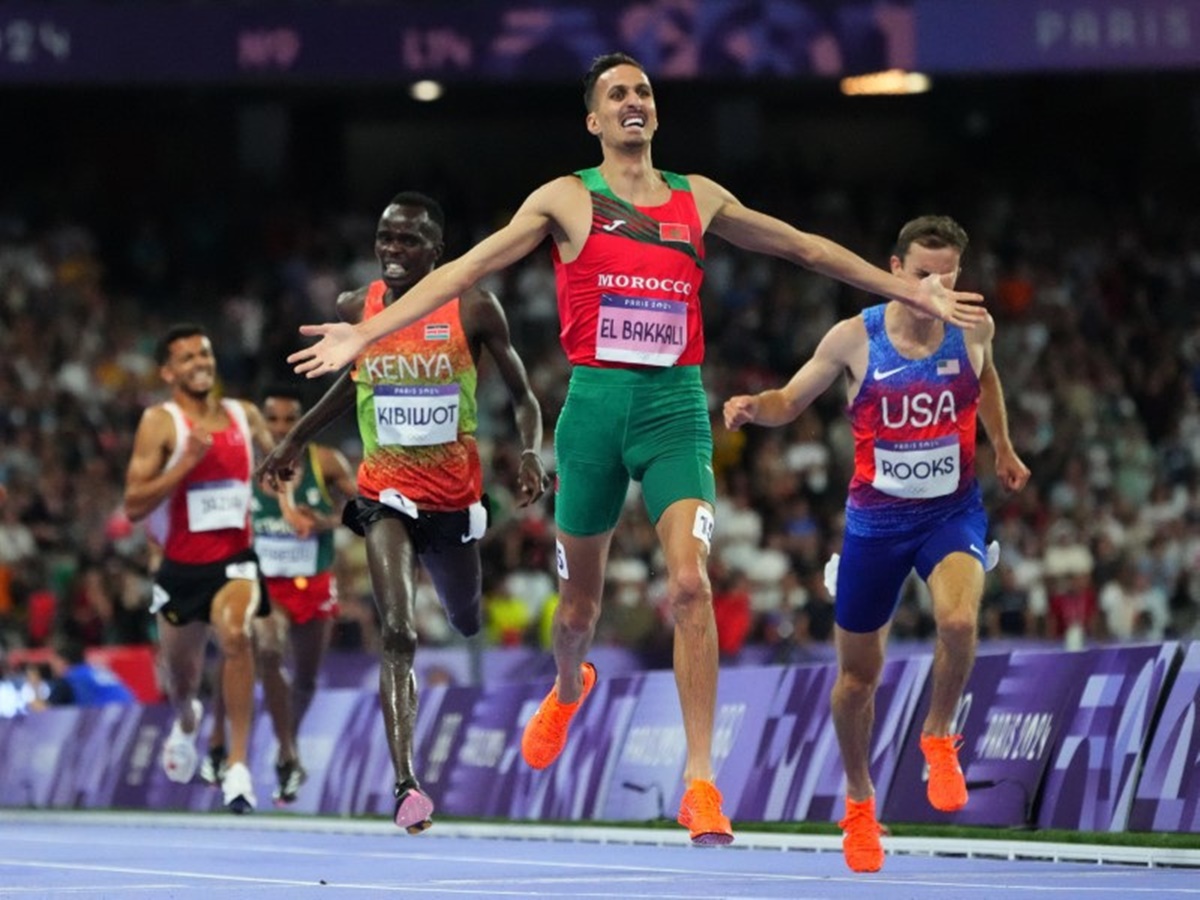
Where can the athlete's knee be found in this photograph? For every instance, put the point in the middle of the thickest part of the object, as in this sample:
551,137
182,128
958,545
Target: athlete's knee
399,639
857,681
956,616
234,641
576,612
958,625
689,589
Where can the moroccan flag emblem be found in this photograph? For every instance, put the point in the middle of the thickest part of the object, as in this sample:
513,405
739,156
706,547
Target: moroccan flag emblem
673,231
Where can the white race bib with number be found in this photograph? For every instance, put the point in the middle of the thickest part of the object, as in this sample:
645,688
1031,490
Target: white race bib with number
416,415
213,505
284,556
639,330
917,470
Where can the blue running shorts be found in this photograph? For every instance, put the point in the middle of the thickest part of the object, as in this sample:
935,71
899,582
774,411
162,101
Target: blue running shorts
872,570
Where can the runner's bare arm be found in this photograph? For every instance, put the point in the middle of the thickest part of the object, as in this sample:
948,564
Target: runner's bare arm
281,462
493,325
779,406
259,431
147,482
537,218
725,216
337,470
993,413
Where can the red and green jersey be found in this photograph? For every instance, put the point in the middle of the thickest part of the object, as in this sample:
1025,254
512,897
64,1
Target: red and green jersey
632,296
417,411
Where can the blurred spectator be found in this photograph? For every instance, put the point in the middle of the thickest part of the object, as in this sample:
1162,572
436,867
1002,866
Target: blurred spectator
1097,336
1133,607
1007,610
731,606
81,683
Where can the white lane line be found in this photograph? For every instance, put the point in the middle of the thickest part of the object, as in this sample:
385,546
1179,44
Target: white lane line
88,889
134,870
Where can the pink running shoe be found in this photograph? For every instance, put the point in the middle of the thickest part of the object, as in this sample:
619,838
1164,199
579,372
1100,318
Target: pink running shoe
413,808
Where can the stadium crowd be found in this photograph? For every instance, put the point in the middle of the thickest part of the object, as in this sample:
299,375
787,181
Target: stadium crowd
1097,345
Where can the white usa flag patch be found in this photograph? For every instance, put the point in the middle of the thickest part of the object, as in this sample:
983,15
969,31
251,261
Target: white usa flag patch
947,367
437,331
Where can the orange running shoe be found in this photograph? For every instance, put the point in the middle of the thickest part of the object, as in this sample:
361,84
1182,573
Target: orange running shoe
947,788
546,731
860,842
700,813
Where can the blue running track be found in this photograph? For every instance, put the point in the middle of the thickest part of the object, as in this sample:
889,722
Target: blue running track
212,857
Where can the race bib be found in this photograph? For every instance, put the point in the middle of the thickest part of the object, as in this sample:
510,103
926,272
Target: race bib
638,330
917,470
213,505
416,415
284,556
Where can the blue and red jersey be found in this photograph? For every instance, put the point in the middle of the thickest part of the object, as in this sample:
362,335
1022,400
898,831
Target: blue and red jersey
914,424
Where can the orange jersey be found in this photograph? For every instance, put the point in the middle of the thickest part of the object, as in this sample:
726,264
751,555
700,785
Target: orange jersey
417,410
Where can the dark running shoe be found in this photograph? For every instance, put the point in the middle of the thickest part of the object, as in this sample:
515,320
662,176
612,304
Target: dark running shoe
413,808
291,775
213,766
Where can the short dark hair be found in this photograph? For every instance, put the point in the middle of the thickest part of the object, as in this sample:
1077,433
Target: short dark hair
283,391
932,232
422,201
162,350
600,65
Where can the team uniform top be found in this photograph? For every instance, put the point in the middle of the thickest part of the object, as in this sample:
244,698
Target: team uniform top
914,435
623,306
417,410
207,517
281,552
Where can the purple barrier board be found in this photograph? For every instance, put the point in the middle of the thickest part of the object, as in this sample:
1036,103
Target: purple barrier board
741,717
1010,714
795,767
454,666
1090,783
646,781
578,784
64,757
1167,797
471,750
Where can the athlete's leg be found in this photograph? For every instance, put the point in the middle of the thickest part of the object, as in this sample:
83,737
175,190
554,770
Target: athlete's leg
581,565
860,664
457,575
233,609
309,642
270,637
391,560
214,762
956,586
690,595
182,649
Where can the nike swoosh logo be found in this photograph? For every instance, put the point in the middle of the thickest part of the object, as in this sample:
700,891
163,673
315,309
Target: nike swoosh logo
613,225
976,550
879,376
466,538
